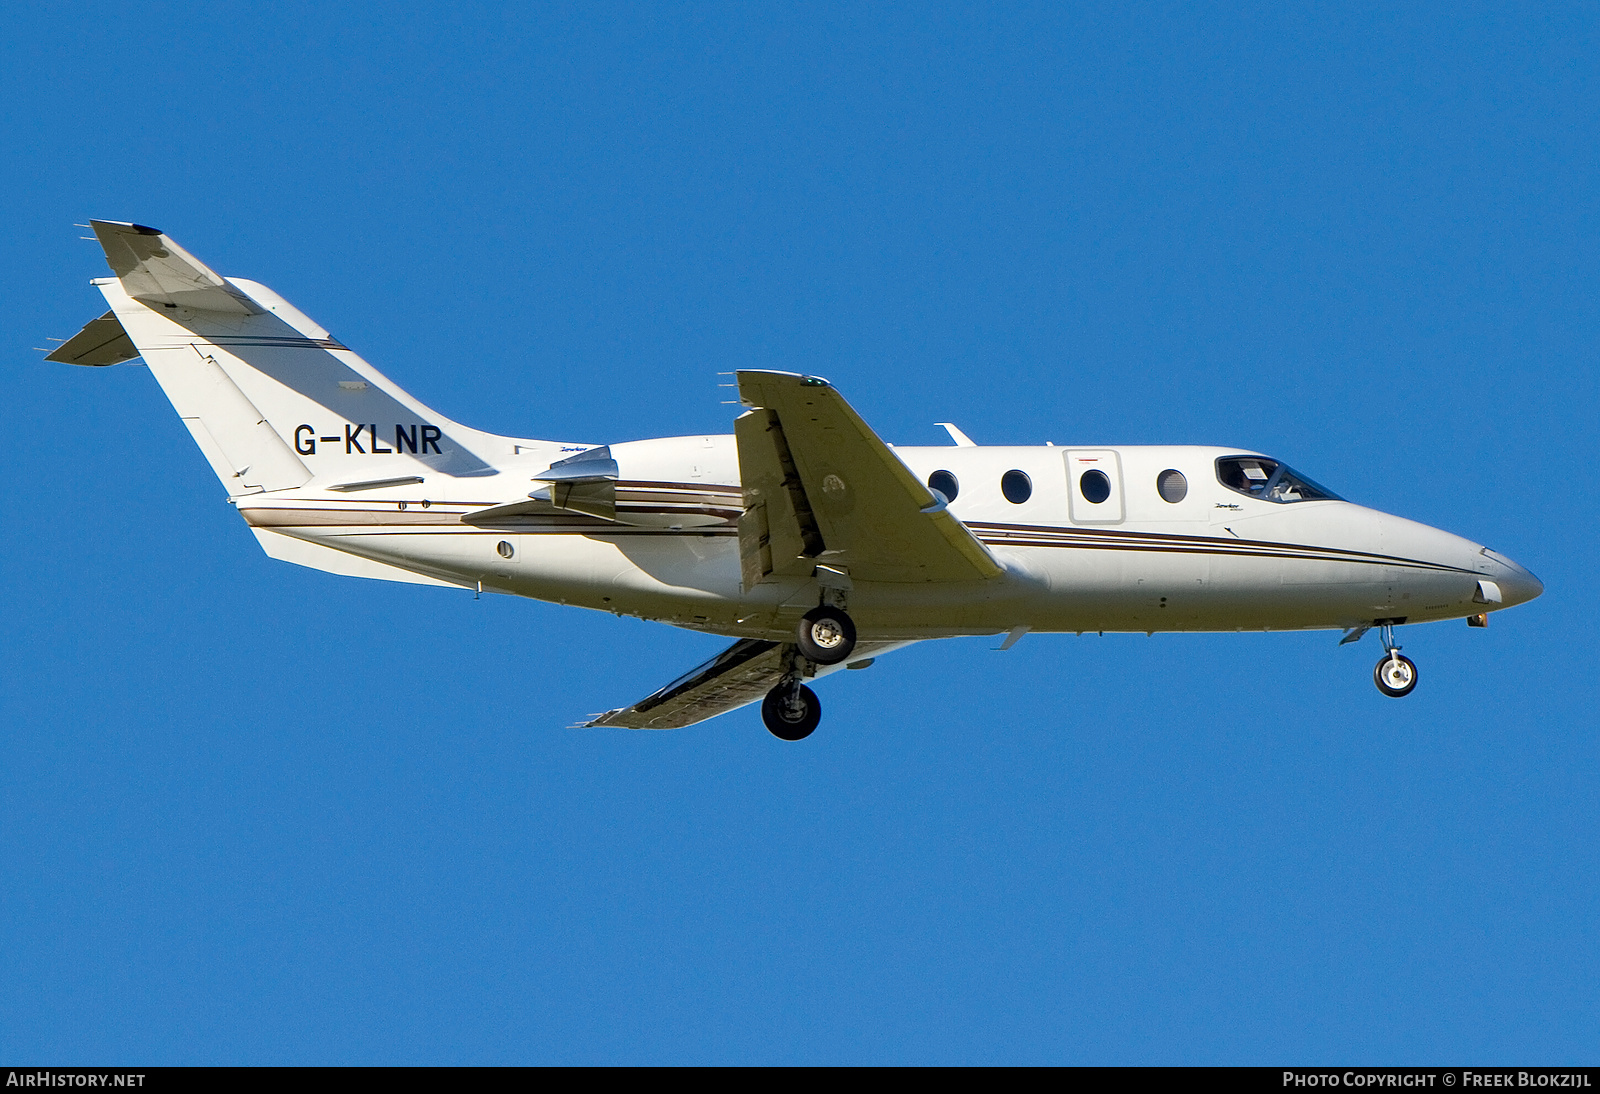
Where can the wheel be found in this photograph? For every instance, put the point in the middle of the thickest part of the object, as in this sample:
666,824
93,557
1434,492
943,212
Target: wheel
1395,676
825,635
791,716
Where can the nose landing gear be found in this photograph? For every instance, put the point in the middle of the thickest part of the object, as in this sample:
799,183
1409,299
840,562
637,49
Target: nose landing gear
1395,675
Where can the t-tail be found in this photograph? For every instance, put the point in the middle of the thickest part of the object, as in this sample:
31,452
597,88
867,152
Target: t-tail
275,402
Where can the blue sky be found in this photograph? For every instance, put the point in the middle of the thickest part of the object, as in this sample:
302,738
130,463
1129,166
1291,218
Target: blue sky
255,813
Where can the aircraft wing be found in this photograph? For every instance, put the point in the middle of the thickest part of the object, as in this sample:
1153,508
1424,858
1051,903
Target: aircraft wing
821,488
739,675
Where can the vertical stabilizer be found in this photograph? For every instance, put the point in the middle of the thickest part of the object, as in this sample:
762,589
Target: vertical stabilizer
242,447
273,400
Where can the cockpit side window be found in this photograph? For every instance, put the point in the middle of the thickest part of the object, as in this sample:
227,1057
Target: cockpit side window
1269,480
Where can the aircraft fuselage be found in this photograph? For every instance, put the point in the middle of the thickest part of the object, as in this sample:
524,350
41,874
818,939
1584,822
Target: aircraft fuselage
1214,560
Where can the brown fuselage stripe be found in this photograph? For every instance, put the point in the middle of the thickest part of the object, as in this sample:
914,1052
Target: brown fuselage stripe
599,530
450,521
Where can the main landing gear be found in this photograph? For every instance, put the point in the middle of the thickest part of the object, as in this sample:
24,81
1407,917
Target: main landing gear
826,635
791,710
1395,675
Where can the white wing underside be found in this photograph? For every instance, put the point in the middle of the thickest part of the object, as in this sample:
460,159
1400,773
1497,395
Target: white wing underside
738,676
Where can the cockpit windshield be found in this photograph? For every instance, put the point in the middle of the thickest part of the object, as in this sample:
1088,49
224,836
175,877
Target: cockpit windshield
1269,480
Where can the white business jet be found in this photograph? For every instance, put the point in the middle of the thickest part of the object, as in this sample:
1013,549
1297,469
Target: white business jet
803,535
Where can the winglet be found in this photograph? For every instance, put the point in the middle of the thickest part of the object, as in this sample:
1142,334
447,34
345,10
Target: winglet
155,270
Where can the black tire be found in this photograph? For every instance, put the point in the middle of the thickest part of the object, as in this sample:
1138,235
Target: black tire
826,635
780,719
1398,682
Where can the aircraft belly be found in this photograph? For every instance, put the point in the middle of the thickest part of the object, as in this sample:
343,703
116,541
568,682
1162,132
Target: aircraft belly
1166,590
911,610
1188,588
687,579
429,553
1129,589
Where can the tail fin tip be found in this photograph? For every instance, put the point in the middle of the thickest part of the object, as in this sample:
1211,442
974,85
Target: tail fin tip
153,269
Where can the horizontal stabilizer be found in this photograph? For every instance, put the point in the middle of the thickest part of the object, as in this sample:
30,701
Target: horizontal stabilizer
155,270
585,483
595,465
101,342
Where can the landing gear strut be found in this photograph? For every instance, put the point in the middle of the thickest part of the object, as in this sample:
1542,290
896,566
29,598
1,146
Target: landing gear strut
791,710
826,635
1395,675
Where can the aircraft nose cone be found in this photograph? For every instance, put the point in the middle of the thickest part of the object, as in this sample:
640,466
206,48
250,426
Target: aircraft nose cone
1517,584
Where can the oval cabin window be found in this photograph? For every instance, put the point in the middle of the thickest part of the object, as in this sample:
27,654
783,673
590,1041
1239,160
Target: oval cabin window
1016,486
1172,486
1096,487
945,483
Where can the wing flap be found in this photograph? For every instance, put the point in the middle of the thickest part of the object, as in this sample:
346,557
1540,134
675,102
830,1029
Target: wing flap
830,490
778,533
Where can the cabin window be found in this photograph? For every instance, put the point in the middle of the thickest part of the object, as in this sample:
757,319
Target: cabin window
1172,486
945,483
1095,486
1269,480
1016,486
